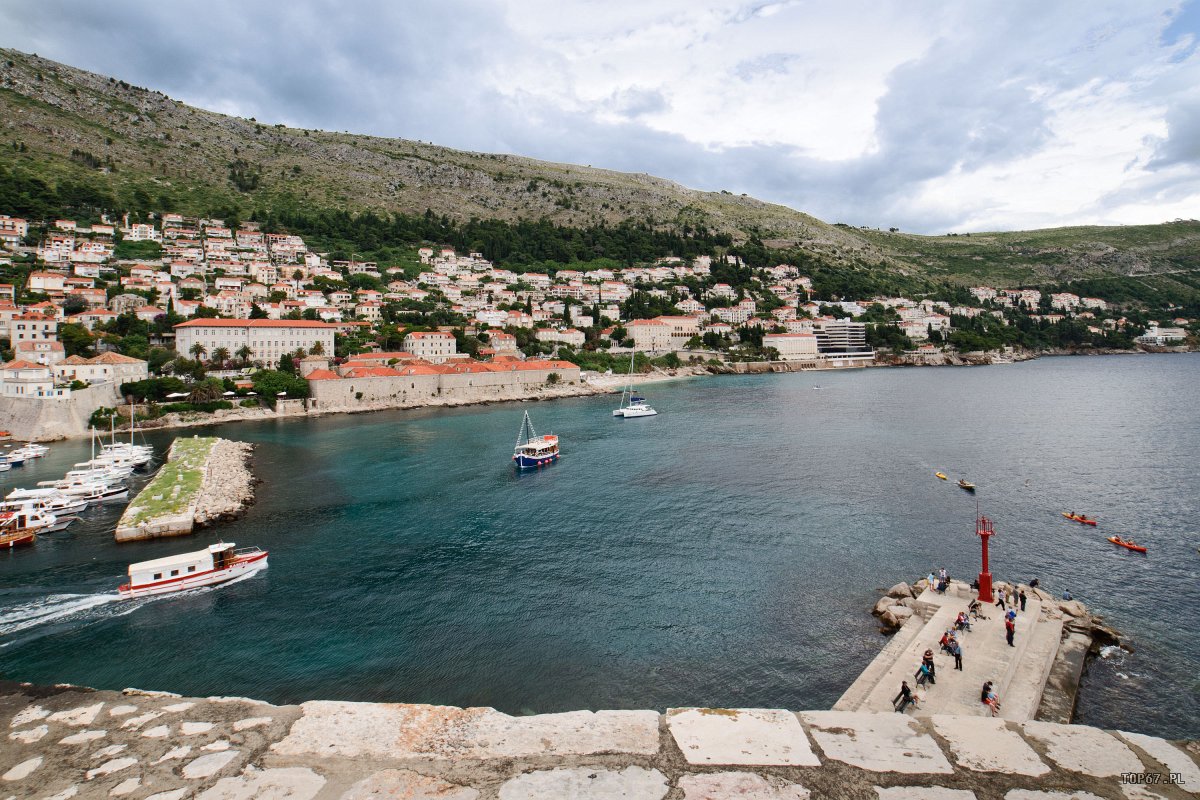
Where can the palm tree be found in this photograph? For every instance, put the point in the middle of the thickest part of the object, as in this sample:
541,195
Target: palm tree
318,349
219,356
198,350
244,352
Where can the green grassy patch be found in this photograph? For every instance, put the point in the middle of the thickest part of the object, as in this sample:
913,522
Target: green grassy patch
185,470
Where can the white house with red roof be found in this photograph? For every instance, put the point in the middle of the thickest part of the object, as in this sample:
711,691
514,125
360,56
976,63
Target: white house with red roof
268,339
432,346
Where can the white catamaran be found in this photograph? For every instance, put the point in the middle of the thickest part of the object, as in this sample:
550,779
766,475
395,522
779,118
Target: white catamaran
631,404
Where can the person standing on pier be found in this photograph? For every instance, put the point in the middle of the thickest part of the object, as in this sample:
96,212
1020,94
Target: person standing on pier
1023,598
1000,599
956,651
1010,630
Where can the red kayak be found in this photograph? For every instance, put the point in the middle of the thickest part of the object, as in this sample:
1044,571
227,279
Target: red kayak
1079,518
1137,548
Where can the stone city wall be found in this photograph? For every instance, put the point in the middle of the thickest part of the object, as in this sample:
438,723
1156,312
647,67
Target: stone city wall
68,742
368,394
53,418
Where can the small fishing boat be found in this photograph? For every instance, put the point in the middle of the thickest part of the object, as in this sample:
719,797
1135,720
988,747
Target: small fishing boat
963,484
217,563
941,476
1127,543
1080,518
532,450
18,528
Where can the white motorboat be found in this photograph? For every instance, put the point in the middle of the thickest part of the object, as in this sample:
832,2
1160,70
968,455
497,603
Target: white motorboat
51,501
96,492
31,450
216,563
5,466
632,405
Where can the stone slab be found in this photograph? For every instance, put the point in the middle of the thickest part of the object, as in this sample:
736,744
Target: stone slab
109,767
127,786
30,735
763,737
22,770
986,744
585,783
876,742
28,714
334,728
1082,749
289,783
923,793
77,716
208,765
1170,756
740,785
403,783
83,737
1030,794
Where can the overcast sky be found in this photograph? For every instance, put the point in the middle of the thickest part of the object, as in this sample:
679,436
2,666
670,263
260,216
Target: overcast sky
930,116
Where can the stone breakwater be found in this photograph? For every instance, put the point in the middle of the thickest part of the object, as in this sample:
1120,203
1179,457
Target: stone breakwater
69,742
204,480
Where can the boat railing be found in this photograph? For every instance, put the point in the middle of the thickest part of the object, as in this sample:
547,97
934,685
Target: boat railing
245,552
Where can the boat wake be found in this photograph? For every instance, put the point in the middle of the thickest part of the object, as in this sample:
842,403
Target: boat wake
54,608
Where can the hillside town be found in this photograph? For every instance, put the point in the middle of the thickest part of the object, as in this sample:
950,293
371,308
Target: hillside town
115,302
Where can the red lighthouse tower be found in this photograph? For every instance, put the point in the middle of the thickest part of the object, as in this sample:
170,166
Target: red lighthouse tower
983,527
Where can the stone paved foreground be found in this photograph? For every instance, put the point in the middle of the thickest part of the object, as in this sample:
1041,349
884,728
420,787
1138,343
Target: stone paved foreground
58,743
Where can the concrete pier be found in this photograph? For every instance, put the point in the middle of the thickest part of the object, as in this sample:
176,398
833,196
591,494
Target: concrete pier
62,742
1019,673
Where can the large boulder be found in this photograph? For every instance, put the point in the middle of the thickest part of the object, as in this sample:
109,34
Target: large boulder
882,605
900,590
896,616
1073,608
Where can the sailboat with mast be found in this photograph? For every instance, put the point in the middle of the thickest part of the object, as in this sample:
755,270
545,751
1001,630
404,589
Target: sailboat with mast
632,405
532,450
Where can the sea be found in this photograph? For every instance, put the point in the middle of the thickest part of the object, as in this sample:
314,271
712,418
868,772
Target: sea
724,553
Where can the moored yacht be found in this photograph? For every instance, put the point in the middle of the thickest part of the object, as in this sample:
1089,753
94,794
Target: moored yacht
636,406
216,563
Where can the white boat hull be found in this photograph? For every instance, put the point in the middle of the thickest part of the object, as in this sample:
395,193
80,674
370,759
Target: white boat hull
631,412
238,570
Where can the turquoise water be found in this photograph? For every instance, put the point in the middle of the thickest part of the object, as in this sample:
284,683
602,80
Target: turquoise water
725,552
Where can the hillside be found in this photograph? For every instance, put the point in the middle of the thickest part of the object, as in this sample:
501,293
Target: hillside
151,153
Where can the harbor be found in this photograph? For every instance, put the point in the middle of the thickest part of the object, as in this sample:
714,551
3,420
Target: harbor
619,577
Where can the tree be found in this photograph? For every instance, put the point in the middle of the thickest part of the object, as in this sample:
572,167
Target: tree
74,304
219,356
318,349
76,339
256,311
206,391
244,353
198,350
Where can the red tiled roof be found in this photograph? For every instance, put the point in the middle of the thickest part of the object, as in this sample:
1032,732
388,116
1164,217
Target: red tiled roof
323,375
23,365
254,323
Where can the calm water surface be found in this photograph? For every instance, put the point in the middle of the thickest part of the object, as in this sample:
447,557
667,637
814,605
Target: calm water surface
724,553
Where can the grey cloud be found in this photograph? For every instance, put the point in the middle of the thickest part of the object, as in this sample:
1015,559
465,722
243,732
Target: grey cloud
1182,143
633,103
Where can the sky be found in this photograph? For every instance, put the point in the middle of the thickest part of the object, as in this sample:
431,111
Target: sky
927,116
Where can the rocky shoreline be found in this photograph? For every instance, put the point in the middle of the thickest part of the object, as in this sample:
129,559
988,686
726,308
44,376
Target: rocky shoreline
228,485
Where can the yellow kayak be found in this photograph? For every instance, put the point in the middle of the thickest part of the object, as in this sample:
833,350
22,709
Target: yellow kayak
941,475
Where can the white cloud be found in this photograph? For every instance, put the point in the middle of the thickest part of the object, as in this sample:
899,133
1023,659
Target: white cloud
922,114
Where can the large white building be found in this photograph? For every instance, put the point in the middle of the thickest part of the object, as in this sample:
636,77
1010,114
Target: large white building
268,339
433,346
792,346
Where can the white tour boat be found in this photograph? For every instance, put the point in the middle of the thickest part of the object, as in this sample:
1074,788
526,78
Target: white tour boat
636,407
217,563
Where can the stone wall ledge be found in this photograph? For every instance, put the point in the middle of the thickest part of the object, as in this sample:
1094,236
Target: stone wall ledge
64,741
